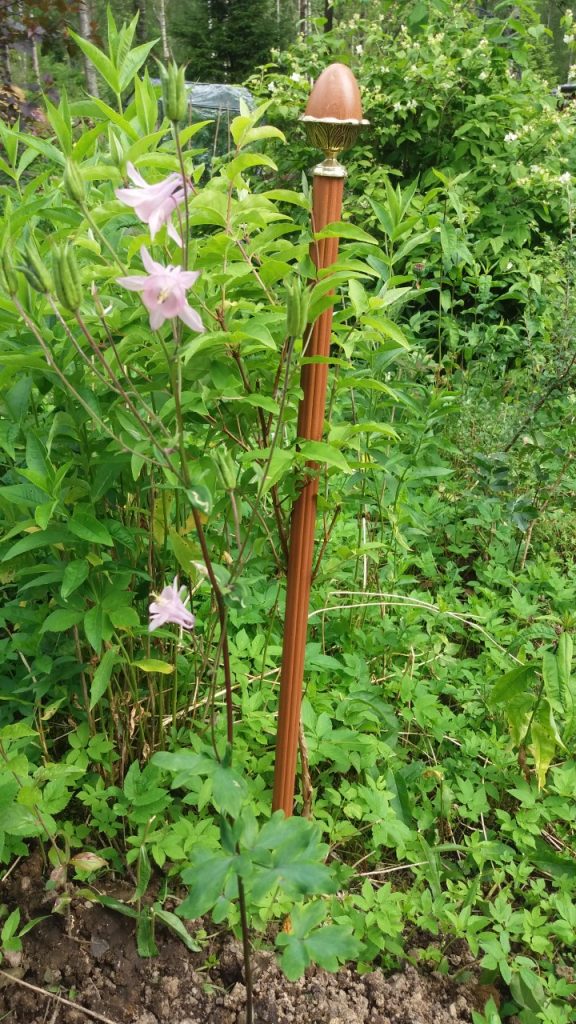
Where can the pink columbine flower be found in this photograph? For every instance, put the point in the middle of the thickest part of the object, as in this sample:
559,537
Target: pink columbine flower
170,607
154,204
164,292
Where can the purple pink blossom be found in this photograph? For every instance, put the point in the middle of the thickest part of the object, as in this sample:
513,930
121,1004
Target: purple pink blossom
163,290
170,607
154,204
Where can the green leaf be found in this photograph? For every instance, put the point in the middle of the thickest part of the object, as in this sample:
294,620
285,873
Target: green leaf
132,63
243,161
154,665
228,791
102,675
94,627
60,620
75,574
280,464
343,229
17,731
38,539
321,451
144,874
175,925
206,878
145,935
551,678
199,497
543,741
294,959
387,328
185,550
358,297
332,944
101,62
85,526
564,660
110,902
512,684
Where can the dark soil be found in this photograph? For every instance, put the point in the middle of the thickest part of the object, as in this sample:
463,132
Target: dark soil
91,960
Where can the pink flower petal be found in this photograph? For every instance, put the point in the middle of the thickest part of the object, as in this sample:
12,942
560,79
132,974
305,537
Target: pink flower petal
149,264
190,317
134,284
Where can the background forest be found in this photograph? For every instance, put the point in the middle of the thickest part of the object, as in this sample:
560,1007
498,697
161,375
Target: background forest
434,821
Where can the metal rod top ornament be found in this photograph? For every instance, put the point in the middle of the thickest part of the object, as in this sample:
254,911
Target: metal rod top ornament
333,117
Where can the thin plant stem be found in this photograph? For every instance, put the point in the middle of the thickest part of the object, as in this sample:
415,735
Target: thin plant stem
72,390
101,237
246,953
185,187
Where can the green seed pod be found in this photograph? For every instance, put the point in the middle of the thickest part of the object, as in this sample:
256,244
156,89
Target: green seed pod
8,278
226,468
35,270
293,309
174,96
73,182
67,282
304,307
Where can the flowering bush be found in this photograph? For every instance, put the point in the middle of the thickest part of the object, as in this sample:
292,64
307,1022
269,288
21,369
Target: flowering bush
458,114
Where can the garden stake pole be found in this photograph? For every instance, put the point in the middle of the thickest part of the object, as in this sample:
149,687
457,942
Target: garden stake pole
332,120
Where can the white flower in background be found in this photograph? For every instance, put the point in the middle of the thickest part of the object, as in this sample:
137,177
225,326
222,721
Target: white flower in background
296,76
272,86
396,107
569,38
483,76
510,137
571,72
565,178
411,105
359,49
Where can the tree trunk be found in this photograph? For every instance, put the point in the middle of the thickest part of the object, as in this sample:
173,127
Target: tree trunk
163,29
141,28
329,15
85,17
304,16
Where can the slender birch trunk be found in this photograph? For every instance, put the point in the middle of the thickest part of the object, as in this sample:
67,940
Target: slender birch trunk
85,17
161,9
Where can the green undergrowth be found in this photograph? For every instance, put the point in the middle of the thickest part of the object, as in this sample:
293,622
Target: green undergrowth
438,718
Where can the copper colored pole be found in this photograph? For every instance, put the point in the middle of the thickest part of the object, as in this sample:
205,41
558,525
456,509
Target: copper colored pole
327,207
334,102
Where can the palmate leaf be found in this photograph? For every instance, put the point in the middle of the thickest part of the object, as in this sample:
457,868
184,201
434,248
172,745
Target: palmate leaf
206,878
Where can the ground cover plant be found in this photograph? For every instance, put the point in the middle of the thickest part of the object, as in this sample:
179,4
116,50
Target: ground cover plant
153,319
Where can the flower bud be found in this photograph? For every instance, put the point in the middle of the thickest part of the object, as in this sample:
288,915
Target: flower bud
73,182
174,95
67,284
87,861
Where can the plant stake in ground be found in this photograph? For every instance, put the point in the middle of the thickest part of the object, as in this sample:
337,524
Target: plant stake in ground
332,119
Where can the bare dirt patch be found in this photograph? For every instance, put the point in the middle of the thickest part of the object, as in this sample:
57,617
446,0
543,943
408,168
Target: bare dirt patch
92,961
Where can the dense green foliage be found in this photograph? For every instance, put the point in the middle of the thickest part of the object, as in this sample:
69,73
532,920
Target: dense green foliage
224,42
439,707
